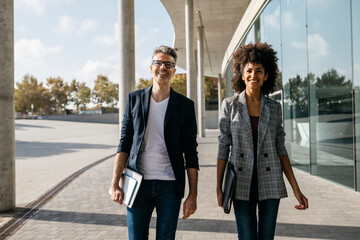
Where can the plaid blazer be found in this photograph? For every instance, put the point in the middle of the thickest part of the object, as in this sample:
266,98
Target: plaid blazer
236,138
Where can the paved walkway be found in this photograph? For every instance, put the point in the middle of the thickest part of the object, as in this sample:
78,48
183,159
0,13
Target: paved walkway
83,209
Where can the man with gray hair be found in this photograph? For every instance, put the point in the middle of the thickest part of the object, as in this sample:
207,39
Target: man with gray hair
158,140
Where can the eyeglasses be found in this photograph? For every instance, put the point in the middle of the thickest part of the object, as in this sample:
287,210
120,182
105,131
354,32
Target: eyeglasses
159,63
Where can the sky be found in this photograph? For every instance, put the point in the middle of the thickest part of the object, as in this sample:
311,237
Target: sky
78,39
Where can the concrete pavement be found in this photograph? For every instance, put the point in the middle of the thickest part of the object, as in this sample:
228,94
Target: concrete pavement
84,210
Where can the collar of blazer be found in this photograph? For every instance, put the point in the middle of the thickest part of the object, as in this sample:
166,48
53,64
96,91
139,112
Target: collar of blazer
145,100
264,118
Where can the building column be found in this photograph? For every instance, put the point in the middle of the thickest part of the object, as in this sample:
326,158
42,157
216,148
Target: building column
7,130
127,53
219,96
200,82
190,54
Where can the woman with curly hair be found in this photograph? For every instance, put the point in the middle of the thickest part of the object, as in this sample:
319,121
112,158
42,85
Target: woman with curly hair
251,131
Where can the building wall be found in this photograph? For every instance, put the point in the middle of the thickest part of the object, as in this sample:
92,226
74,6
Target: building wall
319,59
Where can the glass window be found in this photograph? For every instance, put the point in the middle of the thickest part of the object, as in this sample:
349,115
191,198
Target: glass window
295,82
269,28
356,61
330,79
228,76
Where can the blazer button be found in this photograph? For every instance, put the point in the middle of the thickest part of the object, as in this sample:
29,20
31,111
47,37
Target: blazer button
241,155
268,169
265,155
240,169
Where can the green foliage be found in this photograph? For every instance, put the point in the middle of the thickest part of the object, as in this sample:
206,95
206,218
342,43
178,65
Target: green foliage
178,83
211,89
105,92
80,95
59,92
144,83
29,92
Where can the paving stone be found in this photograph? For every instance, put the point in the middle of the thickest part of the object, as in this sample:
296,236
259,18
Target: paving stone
84,210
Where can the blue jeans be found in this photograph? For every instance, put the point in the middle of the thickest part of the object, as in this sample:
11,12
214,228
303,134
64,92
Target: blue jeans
246,222
162,195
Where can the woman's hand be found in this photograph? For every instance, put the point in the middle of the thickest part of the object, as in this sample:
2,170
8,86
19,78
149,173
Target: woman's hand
303,201
220,196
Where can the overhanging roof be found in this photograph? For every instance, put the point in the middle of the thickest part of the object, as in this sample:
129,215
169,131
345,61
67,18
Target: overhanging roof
220,19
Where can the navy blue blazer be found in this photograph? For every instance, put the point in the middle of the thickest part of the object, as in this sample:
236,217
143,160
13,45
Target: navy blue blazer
180,131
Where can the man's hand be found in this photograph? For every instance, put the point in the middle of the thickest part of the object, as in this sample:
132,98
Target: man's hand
189,207
117,194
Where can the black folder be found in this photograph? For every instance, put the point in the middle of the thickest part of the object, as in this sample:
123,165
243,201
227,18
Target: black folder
228,186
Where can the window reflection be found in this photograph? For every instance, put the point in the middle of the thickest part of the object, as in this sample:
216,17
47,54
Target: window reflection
295,82
329,50
356,56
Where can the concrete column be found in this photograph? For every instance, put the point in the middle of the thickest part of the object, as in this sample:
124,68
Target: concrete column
127,53
7,134
190,54
219,95
201,82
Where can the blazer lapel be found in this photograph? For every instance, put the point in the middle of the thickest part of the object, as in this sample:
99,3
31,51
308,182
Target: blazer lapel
263,120
145,100
172,105
244,117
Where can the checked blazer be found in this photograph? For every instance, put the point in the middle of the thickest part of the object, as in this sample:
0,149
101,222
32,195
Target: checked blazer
180,131
236,138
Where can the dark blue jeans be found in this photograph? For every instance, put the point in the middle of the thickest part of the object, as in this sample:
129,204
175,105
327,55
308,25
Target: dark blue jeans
246,221
162,195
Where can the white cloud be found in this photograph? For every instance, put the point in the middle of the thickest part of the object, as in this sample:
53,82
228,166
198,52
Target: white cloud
144,35
32,52
298,45
288,20
36,6
318,47
66,25
357,70
87,25
109,39
273,20
91,69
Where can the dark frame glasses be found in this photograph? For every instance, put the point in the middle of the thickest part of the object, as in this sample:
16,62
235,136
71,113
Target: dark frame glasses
159,63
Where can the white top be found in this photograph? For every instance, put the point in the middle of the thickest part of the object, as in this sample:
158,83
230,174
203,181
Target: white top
153,159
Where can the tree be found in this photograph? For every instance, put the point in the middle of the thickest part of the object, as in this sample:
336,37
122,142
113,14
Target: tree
211,89
144,83
105,92
332,79
80,94
178,83
29,93
59,92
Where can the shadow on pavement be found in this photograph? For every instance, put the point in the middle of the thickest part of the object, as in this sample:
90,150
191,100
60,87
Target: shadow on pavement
20,126
204,225
44,149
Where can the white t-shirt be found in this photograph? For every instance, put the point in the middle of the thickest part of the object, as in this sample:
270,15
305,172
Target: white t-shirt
153,159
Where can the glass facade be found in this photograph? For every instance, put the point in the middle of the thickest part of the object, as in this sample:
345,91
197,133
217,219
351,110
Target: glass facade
355,10
318,45
295,84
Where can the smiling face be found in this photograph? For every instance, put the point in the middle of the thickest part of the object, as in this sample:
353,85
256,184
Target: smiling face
254,76
162,74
